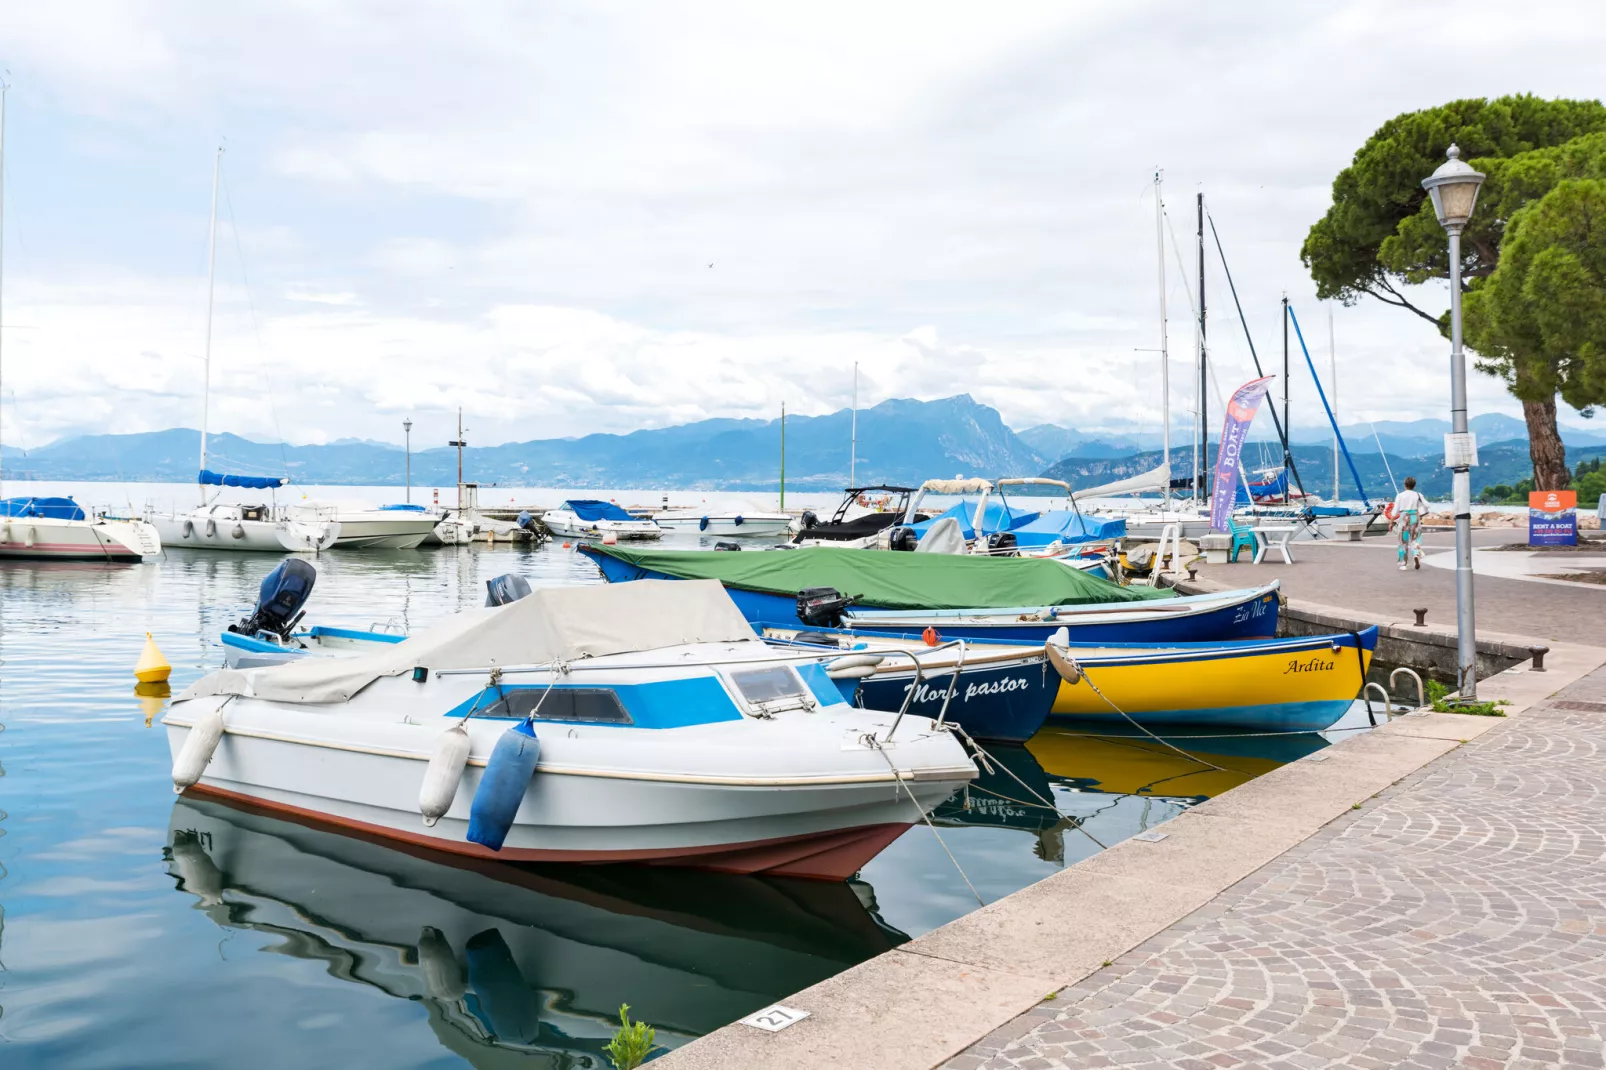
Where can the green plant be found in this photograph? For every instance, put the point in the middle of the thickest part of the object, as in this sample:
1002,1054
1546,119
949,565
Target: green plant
1439,700
632,1043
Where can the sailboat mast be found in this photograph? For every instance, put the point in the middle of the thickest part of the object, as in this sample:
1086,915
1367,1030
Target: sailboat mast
853,449
458,442
1288,429
3,87
1165,357
1204,419
211,274
1332,364
783,456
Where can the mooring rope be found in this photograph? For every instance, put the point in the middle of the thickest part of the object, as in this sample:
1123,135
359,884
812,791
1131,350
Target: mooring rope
1192,758
875,744
985,755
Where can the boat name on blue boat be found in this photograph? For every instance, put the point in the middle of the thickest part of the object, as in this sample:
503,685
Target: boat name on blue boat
937,692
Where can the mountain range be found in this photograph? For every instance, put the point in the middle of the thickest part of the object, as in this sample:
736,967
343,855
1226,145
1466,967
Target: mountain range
901,441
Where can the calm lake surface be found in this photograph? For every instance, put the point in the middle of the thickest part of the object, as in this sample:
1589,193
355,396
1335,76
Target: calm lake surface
139,929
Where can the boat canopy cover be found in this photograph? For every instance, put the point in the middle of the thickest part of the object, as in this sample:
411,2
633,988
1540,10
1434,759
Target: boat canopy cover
998,516
403,507
887,580
547,625
49,508
591,509
218,479
956,486
1154,479
1068,526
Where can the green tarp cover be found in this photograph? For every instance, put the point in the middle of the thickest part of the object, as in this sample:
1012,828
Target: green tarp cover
887,579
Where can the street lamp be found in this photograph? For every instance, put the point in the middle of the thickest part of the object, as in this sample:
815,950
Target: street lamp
1454,189
407,431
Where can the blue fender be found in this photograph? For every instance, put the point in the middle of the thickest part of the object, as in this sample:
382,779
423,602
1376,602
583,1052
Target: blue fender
702,525
738,521
502,788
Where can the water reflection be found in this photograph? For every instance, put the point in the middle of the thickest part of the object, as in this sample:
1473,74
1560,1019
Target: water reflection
514,962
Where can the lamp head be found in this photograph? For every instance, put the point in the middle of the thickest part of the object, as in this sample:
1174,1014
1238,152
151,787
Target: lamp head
407,425
1454,189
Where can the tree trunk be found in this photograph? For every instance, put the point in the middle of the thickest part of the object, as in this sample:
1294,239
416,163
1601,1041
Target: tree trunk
1545,447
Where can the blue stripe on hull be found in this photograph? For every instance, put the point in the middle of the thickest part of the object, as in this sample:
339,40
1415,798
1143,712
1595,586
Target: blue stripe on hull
1270,717
1005,704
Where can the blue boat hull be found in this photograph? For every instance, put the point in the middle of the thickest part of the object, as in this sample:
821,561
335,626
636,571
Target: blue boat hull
1254,618
1004,704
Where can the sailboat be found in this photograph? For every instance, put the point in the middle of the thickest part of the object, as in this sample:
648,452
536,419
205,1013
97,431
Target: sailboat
49,528
221,526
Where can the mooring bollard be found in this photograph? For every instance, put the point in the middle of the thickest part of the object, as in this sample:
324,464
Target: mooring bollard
1421,617
1539,653
1193,573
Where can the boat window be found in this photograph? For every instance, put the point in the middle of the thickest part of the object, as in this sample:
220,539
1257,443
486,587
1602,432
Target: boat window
599,704
773,688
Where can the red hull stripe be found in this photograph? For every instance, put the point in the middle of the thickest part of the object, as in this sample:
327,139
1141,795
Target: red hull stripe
63,549
834,855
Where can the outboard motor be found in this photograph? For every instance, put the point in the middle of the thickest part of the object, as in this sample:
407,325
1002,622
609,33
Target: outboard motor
822,606
508,587
810,519
725,544
1002,544
279,601
902,537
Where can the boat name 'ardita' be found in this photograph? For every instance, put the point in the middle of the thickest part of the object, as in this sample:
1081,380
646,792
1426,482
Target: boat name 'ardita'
1315,664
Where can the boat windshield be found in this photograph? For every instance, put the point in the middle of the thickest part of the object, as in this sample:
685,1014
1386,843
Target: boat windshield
882,499
562,704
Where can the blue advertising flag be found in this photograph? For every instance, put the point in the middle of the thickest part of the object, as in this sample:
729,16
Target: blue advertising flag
1234,432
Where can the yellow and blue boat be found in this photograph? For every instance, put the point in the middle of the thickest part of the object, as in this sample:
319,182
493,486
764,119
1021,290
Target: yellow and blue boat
1300,684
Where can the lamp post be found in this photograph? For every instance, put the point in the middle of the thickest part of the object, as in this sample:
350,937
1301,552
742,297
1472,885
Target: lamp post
1454,189
407,432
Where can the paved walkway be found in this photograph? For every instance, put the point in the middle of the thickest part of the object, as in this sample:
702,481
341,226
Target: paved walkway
1363,576
1459,921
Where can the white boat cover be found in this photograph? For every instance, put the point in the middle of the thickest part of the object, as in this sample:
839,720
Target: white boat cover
547,625
943,537
1155,479
956,486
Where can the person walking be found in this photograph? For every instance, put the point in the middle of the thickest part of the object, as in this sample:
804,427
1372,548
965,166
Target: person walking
1408,510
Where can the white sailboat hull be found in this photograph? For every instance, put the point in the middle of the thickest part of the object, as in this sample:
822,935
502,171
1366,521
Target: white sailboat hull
205,531
51,538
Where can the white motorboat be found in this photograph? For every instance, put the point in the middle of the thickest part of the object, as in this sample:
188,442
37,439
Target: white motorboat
724,521
632,722
588,518
245,527
58,529
365,527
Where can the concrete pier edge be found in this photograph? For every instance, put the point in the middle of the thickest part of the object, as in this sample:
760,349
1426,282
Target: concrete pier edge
988,973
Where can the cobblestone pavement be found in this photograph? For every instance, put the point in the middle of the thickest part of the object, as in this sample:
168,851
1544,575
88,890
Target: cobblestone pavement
1459,920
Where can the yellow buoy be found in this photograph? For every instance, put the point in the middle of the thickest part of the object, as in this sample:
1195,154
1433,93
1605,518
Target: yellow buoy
152,667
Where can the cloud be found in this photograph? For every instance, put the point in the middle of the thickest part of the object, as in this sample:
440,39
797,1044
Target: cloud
581,217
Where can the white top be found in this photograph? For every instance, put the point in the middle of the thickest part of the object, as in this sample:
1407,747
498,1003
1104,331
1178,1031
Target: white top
1410,499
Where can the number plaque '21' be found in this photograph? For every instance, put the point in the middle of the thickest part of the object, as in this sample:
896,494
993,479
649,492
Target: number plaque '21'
774,1019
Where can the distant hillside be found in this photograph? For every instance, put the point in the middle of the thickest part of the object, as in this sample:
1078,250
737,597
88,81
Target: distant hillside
900,441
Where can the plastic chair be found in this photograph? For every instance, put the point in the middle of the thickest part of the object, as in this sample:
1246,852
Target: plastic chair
1243,538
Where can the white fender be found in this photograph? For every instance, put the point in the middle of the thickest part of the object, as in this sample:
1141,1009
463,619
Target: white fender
443,975
852,672
189,528
444,772
239,531
193,757
211,527
28,539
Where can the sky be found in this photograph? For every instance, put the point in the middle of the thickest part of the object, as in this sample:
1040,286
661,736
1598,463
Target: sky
578,217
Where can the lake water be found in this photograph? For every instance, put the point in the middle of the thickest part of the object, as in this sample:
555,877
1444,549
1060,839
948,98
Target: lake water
142,930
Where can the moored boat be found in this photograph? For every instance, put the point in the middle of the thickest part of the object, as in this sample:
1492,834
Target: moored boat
58,529
362,527
724,521
581,724
588,518
250,528
1298,684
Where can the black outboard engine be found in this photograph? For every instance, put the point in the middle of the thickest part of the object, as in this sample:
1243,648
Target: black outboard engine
902,537
822,606
508,587
279,601
1002,544
810,519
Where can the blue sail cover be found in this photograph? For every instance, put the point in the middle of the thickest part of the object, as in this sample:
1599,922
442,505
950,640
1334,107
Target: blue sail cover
591,509
1068,526
995,519
48,508
218,479
1274,489
403,507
